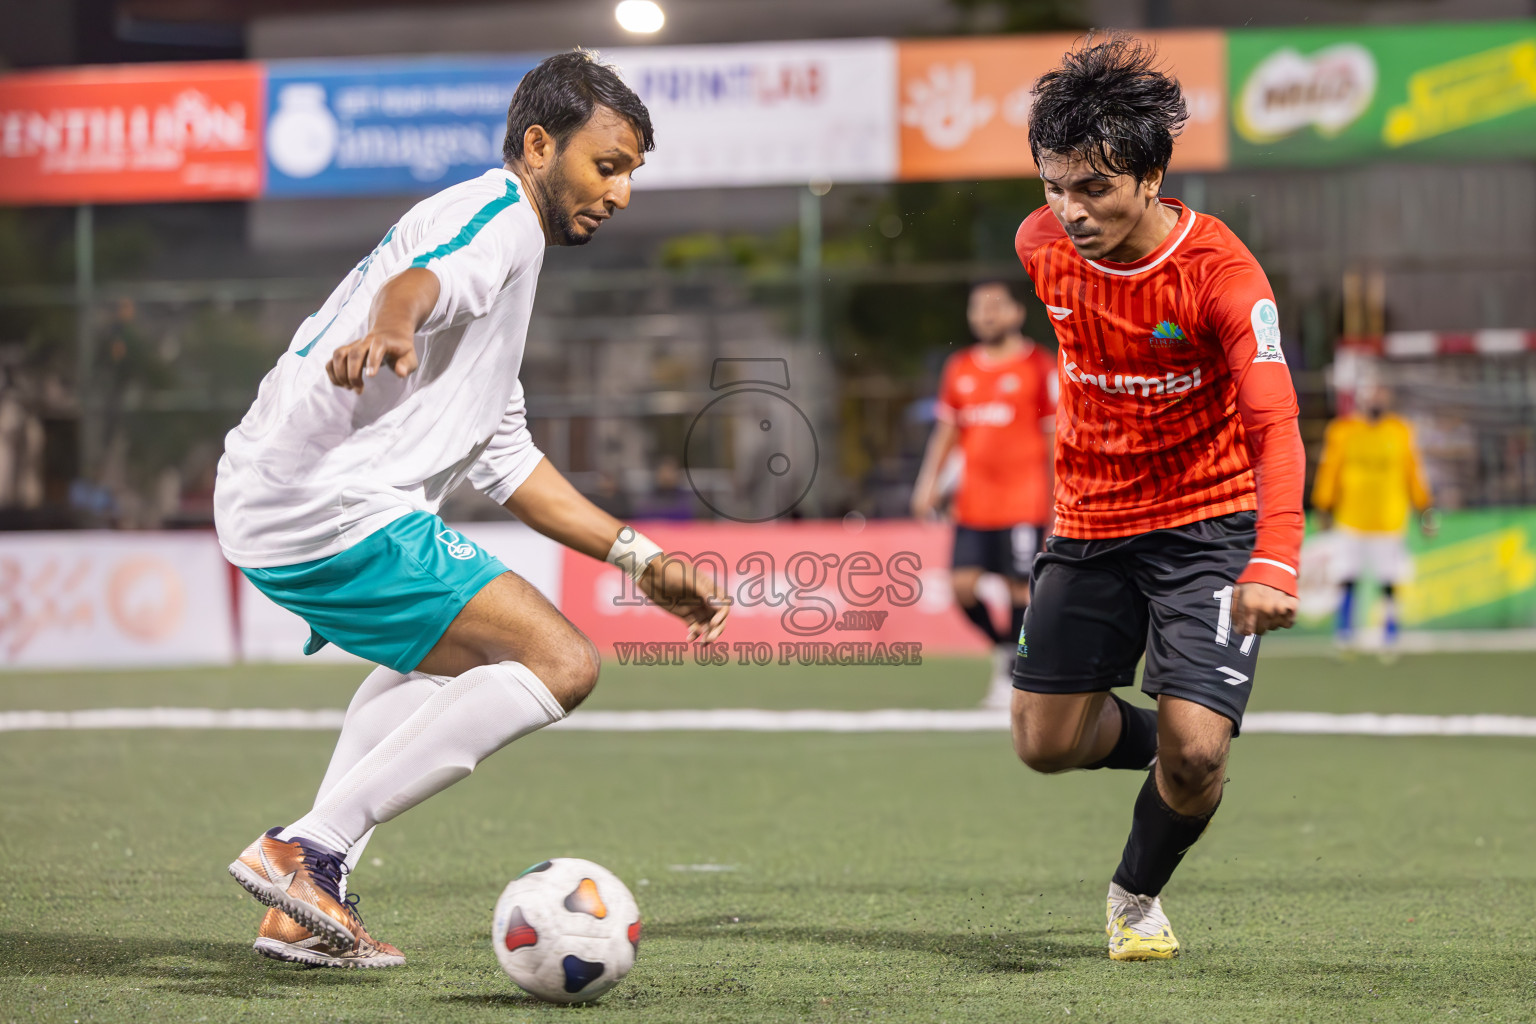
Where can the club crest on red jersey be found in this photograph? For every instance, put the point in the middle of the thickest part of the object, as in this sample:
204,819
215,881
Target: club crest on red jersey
1168,334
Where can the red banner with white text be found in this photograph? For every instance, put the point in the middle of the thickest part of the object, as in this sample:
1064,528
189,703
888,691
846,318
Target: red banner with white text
134,133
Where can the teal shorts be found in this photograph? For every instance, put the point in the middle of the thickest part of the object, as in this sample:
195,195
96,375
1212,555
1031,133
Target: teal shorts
390,597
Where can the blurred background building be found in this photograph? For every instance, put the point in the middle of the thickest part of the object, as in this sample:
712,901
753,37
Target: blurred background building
133,334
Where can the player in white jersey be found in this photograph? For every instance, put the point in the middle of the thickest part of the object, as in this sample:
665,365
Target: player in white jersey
402,386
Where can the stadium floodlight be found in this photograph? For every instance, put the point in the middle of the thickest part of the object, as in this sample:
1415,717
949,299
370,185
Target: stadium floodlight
642,16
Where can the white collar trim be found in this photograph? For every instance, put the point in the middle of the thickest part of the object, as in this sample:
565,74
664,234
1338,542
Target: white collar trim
1141,270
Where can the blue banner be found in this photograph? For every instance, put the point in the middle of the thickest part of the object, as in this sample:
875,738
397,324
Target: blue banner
385,126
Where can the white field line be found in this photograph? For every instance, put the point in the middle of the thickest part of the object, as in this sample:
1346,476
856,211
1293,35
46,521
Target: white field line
1310,723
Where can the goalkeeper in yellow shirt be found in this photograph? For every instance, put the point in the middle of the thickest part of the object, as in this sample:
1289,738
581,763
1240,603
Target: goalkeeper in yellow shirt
1369,478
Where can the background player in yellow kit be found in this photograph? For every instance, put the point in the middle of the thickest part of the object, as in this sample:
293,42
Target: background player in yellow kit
1369,477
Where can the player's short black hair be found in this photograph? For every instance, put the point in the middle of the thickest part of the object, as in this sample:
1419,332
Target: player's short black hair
561,95
1013,288
1109,102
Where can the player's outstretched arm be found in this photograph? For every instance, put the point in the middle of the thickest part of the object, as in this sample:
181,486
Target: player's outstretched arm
399,310
547,502
925,492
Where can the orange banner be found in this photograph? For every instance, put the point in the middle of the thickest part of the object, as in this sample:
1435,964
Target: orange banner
133,133
964,103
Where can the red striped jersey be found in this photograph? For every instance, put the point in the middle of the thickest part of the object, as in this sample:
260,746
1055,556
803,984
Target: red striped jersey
1003,412
1176,404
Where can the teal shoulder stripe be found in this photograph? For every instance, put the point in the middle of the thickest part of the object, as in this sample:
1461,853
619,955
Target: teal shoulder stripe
468,232
362,270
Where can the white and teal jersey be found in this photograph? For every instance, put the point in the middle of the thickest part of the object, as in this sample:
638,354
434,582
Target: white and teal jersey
313,468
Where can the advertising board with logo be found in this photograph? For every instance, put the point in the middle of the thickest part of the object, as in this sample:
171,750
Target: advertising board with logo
98,598
1479,572
965,103
1322,96
385,126
766,114
130,134
811,592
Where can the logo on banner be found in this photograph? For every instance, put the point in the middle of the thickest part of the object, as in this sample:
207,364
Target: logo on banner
369,127
301,137
1287,92
945,107
146,599
1467,91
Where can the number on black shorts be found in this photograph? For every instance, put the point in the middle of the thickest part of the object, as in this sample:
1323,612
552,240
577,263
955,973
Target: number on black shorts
1224,620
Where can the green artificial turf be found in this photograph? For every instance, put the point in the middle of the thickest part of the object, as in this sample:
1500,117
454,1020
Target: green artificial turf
1420,684
884,877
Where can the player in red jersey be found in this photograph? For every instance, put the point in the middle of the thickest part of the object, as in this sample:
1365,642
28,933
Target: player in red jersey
1179,472
997,403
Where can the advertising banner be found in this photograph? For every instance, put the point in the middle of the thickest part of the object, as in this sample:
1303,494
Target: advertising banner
1324,96
801,592
965,103
385,126
131,134
1479,572
766,114
113,599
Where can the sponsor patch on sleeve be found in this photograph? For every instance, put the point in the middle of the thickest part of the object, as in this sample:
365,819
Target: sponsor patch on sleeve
1266,332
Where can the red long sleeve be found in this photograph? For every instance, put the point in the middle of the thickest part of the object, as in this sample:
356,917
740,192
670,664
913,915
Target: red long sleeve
1245,318
1266,401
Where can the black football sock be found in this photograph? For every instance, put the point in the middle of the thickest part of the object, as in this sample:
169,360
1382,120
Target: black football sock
1138,739
1018,623
982,616
1159,839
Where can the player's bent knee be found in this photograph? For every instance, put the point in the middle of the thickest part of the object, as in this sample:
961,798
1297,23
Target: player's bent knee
1045,756
572,673
1193,771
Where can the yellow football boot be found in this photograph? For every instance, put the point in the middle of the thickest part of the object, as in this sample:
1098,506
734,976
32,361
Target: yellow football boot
1137,927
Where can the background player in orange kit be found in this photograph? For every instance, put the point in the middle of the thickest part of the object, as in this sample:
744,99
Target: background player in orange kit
997,402
1179,472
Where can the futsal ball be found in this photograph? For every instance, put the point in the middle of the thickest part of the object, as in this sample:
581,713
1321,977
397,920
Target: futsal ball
566,930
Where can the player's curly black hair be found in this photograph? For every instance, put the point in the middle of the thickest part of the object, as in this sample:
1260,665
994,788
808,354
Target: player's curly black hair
1109,102
560,95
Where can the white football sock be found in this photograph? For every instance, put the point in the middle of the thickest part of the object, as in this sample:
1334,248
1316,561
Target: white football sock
383,701
466,720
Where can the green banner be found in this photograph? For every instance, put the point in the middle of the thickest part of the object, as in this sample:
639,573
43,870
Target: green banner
1478,572
1422,92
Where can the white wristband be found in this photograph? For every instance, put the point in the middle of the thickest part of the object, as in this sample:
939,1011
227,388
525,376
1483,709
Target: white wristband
632,551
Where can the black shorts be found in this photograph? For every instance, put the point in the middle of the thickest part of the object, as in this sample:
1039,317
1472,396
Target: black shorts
1099,604
1008,552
